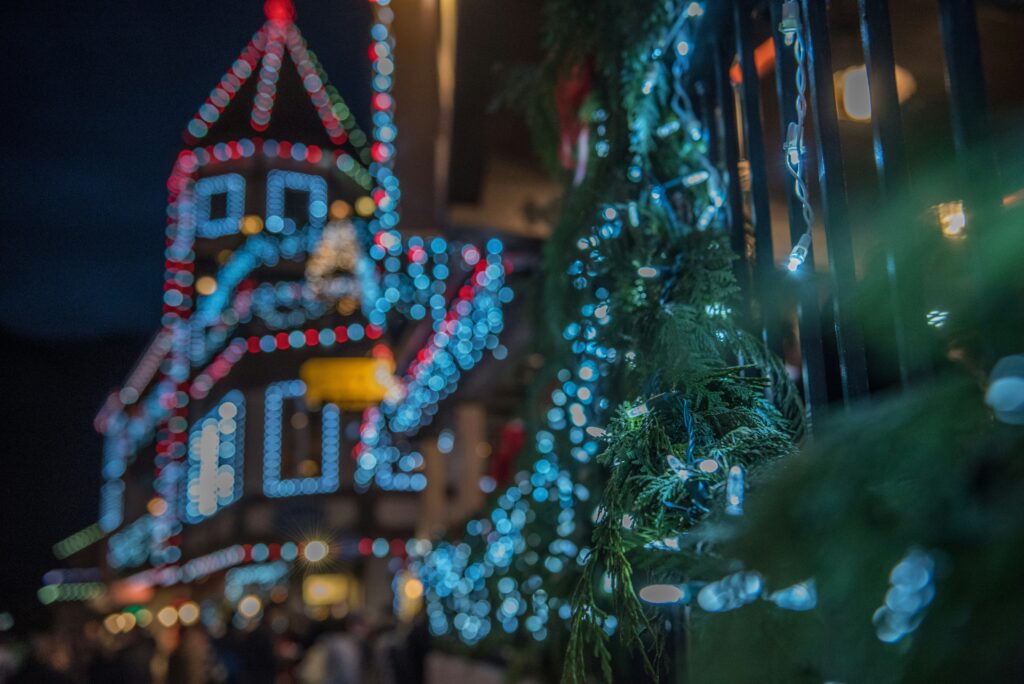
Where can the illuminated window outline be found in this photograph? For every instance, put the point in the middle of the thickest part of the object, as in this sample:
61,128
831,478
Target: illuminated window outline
234,459
273,484
231,184
315,187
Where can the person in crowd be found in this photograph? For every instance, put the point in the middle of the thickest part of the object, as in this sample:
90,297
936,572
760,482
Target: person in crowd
48,661
339,654
190,661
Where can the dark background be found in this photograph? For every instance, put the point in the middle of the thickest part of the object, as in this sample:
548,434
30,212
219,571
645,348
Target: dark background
95,97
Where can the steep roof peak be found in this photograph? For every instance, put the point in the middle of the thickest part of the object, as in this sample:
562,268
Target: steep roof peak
277,88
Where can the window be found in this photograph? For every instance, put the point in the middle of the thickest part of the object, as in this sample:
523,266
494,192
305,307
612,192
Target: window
219,205
301,445
295,201
215,459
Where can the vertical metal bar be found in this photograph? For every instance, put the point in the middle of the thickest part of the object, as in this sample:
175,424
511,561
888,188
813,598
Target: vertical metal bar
976,158
808,310
731,162
968,100
894,180
765,268
832,183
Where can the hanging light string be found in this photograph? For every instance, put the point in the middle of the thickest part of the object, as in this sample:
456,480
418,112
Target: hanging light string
794,147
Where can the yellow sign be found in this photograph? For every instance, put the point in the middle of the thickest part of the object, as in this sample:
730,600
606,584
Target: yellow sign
325,590
353,383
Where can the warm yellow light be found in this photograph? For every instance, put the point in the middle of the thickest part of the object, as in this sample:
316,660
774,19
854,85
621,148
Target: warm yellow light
854,92
250,606
188,613
347,306
112,623
156,506
352,383
206,285
126,621
167,616
340,209
413,588
315,551
325,590
952,219
409,596
365,206
251,224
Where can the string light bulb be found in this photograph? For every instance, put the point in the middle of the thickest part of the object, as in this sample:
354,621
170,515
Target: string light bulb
799,253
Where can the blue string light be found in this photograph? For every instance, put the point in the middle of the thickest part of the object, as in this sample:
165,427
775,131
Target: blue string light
274,484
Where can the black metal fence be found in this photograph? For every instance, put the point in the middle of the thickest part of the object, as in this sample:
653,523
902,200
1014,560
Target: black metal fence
726,77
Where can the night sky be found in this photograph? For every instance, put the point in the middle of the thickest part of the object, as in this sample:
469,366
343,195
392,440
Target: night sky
96,96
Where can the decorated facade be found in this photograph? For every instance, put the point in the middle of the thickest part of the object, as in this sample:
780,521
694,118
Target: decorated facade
305,343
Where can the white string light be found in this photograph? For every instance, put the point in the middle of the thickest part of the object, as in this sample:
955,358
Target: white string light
794,147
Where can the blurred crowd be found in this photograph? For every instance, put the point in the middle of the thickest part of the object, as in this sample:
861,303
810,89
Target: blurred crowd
339,651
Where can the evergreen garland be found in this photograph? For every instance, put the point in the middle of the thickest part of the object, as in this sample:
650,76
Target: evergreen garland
888,552
661,380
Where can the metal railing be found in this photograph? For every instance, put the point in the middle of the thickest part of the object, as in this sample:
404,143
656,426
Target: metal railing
835,367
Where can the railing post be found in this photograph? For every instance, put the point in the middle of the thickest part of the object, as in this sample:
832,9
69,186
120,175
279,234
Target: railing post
809,311
894,180
764,257
731,163
976,158
968,102
832,183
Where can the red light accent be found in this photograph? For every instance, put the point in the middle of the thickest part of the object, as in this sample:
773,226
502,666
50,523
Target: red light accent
279,11
312,337
247,549
380,152
314,154
282,340
764,62
284,149
341,332
274,550
373,332
365,546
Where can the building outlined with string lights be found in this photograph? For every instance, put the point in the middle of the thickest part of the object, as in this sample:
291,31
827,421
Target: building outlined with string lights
304,343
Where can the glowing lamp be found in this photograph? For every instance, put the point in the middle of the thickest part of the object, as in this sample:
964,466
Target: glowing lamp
250,606
315,551
188,613
952,219
854,93
167,616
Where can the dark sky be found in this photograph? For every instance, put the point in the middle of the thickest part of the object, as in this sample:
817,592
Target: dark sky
95,97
